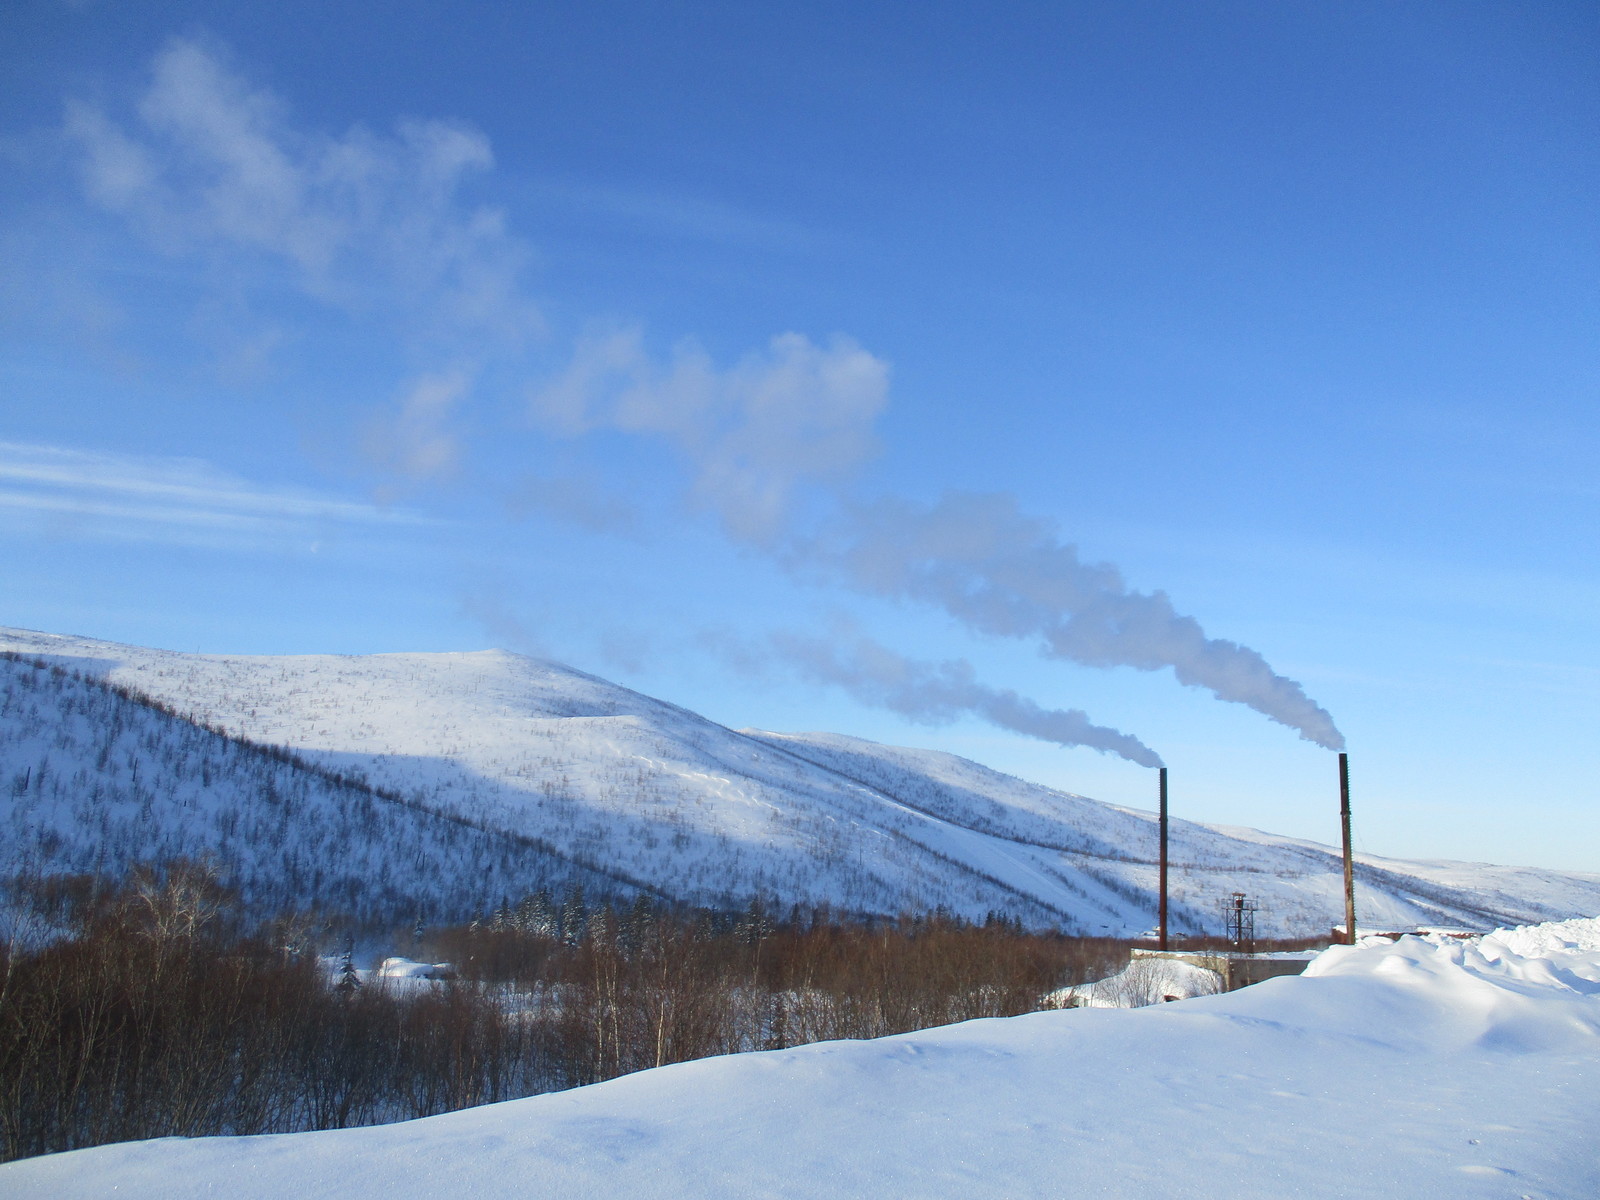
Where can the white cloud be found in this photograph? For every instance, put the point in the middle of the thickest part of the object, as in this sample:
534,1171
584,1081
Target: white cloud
417,441
60,491
208,164
792,414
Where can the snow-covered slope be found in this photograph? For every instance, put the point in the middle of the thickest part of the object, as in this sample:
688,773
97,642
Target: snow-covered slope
1420,1069
640,790
94,778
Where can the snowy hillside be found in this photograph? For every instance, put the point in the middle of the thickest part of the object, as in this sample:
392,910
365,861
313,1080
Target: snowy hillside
1419,1069
93,778
592,776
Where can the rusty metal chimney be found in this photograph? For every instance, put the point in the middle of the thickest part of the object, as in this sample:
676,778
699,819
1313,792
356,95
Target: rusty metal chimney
1349,862
1163,919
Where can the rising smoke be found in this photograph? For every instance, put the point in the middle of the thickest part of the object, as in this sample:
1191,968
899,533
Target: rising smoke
1005,574
799,416
938,693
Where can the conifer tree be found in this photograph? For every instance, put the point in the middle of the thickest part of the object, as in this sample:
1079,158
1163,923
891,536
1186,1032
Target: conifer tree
349,980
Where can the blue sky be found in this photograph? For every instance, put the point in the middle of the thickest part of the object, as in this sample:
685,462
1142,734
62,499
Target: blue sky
803,368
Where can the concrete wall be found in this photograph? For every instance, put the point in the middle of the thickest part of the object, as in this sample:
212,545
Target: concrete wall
1237,970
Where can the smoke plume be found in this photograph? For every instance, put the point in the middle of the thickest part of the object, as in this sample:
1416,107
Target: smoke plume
798,417
1002,573
938,693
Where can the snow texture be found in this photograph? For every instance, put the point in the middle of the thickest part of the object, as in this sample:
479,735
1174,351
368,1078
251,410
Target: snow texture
541,775
1427,1067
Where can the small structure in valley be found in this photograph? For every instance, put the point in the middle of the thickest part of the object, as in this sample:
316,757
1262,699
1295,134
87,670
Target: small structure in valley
1237,970
1242,923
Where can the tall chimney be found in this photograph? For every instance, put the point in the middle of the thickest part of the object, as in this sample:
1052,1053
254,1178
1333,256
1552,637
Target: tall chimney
1163,924
1349,863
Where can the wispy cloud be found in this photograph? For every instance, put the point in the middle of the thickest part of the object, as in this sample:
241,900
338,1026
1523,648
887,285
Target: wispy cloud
207,167
62,492
755,433
208,163
417,441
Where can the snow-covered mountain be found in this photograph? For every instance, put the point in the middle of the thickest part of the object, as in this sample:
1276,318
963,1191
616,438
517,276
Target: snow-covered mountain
450,780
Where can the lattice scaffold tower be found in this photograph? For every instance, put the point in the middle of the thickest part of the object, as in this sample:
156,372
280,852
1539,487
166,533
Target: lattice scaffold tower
1242,923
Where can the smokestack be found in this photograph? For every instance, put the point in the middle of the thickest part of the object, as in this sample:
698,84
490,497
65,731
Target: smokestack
1349,863
1163,924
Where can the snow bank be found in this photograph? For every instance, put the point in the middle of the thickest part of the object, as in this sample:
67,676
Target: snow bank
1143,981
1543,940
1412,1069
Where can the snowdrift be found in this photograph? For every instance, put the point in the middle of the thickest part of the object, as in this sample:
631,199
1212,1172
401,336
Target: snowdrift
1422,1068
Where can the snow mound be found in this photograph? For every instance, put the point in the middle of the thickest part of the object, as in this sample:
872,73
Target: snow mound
1419,1068
1555,937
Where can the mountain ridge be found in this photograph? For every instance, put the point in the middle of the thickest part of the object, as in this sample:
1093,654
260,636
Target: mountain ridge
638,789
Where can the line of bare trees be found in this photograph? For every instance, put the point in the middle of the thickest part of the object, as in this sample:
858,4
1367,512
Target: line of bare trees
629,988
150,1009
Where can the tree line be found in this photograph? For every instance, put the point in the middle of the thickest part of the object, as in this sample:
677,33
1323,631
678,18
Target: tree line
155,1005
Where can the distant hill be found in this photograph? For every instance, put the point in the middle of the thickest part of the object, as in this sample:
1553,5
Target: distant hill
443,782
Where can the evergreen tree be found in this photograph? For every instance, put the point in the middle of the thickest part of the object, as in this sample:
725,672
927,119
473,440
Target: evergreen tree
544,913
349,981
636,925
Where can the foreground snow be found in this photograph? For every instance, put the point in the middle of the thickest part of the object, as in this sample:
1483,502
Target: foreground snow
1415,1069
